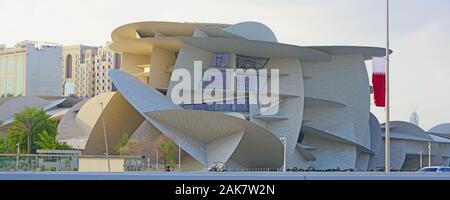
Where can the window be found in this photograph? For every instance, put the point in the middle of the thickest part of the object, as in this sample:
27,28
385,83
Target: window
221,60
250,62
444,169
226,106
69,66
429,169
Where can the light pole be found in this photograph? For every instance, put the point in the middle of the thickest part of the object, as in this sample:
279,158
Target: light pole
421,160
157,160
283,139
429,154
18,148
106,140
179,157
17,158
387,129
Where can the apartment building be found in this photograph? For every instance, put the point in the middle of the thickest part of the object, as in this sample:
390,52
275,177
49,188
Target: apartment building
30,69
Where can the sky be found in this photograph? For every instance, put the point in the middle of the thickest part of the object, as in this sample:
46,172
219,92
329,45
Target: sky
420,34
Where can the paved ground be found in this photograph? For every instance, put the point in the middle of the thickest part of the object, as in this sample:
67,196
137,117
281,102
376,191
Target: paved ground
220,176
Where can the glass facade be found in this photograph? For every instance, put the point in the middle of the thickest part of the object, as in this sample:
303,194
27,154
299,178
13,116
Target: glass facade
10,76
226,106
19,77
222,106
12,68
2,77
221,60
250,62
244,82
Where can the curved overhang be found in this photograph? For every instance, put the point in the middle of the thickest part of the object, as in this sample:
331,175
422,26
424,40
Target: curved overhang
306,152
441,129
252,31
330,136
367,52
408,130
439,139
258,48
405,136
317,102
139,38
69,131
151,28
144,46
208,127
16,105
142,96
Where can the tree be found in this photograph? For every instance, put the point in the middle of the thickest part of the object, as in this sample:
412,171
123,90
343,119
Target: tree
32,130
46,141
118,147
170,156
166,149
3,144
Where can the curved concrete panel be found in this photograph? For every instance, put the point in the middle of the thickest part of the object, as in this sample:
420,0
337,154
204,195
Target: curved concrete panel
143,97
258,48
367,52
119,118
252,31
69,131
441,128
17,104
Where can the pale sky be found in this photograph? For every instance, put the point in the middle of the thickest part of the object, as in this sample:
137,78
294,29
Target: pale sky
420,34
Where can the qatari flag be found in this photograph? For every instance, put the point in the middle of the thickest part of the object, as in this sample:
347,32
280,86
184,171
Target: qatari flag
379,81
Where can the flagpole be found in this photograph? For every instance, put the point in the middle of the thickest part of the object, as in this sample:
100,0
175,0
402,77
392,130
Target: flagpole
387,128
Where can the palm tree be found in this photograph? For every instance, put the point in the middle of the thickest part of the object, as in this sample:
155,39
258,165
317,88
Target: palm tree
32,121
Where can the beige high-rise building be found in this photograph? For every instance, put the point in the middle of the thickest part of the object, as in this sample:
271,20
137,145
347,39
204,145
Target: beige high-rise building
85,70
29,69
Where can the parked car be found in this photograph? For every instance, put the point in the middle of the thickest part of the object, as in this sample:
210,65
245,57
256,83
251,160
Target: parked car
435,169
217,167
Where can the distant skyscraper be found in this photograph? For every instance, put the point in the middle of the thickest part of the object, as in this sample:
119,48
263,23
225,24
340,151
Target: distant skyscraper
414,119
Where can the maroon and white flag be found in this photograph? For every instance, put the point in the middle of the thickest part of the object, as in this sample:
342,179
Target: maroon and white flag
379,81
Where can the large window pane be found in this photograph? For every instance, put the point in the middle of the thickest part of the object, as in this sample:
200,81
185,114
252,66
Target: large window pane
250,62
221,60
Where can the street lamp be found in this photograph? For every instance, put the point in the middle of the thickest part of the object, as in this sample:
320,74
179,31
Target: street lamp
106,140
421,160
179,157
17,158
283,139
157,159
18,148
429,154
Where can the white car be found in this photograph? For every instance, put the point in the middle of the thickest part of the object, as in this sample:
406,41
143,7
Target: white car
435,169
217,167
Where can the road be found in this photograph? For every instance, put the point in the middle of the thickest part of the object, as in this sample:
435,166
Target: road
219,176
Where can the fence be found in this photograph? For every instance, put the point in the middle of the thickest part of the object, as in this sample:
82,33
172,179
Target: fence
51,162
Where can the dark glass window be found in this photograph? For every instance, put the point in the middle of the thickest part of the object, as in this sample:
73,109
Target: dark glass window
250,62
69,66
221,60
229,106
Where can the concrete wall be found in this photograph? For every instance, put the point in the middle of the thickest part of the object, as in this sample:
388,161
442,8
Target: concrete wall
291,82
185,60
43,71
101,165
161,61
331,154
129,62
120,118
